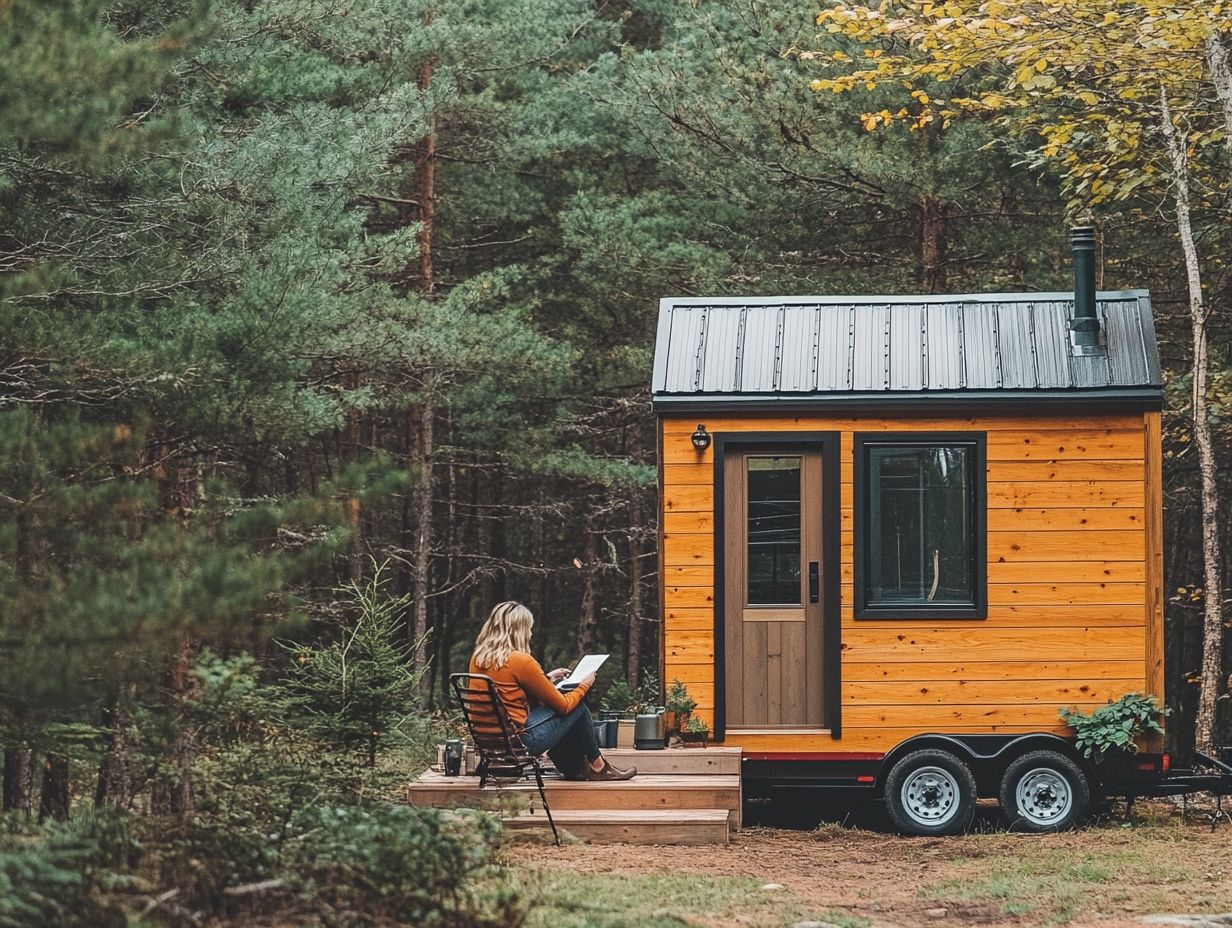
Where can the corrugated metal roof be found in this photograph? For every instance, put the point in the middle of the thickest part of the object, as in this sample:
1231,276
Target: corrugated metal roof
836,346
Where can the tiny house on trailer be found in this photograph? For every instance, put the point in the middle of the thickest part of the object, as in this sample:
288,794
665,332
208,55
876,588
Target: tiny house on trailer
898,534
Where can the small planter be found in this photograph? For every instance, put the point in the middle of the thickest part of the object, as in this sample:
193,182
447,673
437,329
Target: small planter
694,739
624,733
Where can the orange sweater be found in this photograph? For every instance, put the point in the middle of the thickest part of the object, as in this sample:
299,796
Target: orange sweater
521,683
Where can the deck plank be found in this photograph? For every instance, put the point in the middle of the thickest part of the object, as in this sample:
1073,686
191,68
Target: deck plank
631,826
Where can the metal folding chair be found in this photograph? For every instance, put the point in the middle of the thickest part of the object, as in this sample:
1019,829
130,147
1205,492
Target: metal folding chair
498,744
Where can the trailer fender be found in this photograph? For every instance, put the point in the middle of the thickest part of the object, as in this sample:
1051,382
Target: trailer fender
988,756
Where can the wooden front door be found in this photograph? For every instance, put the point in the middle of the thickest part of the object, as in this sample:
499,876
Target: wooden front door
773,589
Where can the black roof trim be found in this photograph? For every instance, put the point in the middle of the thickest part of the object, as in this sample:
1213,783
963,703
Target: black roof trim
1143,399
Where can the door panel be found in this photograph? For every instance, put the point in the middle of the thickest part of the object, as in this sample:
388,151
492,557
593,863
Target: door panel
773,589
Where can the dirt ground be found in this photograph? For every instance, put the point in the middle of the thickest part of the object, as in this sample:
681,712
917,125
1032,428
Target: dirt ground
1107,875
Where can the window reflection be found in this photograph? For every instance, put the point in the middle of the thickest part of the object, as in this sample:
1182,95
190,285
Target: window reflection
773,572
921,526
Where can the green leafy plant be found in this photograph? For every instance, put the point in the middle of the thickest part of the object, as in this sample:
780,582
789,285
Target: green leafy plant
646,698
679,701
618,698
679,706
695,726
622,698
1116,726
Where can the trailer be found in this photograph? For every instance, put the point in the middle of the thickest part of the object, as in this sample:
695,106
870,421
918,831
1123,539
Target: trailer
898,534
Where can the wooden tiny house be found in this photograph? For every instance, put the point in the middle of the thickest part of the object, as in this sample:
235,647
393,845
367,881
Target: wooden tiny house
884,517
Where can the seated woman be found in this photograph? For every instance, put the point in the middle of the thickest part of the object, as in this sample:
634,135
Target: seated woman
550,721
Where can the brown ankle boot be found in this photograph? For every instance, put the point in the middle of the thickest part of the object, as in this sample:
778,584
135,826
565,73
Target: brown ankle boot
608,772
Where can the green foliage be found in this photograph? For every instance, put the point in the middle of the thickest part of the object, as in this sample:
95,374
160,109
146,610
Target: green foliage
620,697
695,726
61,875
402,865
679,701
1116,726
357,689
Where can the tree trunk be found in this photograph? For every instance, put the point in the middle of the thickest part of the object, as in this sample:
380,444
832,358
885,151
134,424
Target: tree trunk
422,454
425,182
427,210
1212,619
53,800
17,792
114,778
633,644
588,622
354,506
933,245
1221,77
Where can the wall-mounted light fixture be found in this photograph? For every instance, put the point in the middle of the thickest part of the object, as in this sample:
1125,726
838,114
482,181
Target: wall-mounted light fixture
701,438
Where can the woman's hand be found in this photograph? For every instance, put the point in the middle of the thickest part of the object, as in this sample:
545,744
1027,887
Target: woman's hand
588,682
558,674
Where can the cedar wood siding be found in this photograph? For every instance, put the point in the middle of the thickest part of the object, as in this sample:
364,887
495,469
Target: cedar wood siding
1075,587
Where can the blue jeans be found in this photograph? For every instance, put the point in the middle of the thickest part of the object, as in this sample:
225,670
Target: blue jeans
568,739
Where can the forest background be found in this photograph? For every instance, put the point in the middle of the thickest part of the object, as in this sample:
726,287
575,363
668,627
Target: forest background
327,322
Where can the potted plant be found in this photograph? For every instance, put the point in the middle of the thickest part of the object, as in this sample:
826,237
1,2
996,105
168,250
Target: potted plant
1113,731
695,732
679,706
619,703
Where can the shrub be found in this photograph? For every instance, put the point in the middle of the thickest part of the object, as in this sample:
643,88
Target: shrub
618,698
679,701
403,865
354,692
1116,726
59,875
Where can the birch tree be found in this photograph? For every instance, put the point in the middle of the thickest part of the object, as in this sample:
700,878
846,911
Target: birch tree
1124,97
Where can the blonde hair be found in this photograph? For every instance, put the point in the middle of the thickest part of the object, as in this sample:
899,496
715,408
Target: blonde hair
506,630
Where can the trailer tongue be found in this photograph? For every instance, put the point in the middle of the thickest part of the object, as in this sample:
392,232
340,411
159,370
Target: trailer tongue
1207,775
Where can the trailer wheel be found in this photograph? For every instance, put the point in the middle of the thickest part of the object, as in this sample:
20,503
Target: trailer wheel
930,793
1044,791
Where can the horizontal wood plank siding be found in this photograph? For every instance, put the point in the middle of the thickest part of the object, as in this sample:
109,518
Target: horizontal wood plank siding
1070,584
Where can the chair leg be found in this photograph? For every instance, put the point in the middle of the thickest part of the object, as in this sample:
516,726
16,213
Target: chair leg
543,796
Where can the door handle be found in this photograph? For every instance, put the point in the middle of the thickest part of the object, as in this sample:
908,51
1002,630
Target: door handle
814,582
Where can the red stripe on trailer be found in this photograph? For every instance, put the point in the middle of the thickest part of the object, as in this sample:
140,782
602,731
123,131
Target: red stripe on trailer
808,755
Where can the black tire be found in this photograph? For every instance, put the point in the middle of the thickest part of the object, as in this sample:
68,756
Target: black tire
1044,791
930,792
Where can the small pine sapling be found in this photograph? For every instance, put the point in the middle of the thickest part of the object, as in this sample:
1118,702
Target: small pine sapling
354,691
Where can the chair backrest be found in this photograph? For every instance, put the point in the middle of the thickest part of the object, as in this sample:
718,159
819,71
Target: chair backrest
496,740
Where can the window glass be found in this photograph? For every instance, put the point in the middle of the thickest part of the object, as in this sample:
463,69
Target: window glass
921,526
773,531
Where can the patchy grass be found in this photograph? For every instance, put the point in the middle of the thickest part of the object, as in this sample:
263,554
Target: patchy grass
1108,874
600,900
1111,870
1053,887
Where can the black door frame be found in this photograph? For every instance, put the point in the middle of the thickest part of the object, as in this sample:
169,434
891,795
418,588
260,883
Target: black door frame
829,444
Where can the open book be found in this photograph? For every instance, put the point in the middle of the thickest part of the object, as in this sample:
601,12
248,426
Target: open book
585,667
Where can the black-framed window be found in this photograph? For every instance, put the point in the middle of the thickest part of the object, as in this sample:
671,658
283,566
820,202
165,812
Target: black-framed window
920,545
773,531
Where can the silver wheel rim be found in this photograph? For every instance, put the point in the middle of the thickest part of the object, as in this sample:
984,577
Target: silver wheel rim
930,796
1044,796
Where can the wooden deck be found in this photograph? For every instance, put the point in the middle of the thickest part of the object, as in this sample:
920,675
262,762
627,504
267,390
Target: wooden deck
680,796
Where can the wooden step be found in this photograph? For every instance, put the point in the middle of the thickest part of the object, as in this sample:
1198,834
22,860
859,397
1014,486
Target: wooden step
632,826
678,761
643,792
